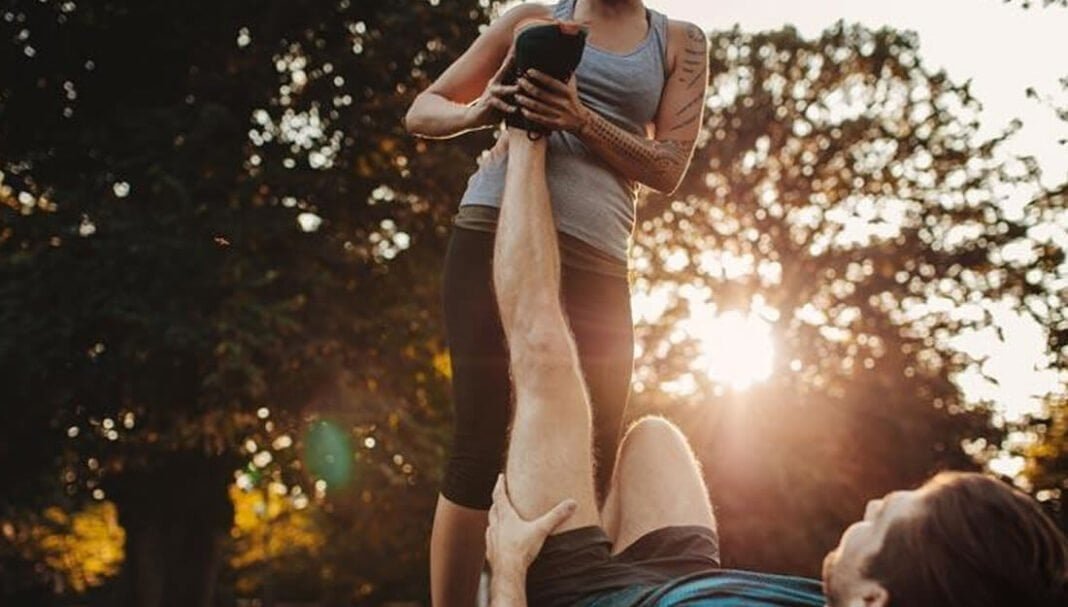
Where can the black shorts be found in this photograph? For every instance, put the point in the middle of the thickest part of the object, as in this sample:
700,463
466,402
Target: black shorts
578,564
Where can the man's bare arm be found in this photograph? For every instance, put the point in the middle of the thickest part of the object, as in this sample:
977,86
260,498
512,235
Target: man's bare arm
508,590
513,543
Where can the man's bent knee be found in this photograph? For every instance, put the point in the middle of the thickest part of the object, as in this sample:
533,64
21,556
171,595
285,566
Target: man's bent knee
653,430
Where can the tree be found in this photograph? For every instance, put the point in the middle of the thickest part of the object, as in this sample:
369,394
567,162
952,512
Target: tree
1047,469
219,253
209,210
840,194
1047,465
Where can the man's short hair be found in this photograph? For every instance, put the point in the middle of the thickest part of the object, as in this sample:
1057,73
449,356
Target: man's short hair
975,542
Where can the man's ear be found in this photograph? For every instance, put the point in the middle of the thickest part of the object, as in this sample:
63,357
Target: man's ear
873,594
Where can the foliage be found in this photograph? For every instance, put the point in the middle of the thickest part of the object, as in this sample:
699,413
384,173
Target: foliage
1047,470
269,529
80,549
204,210
215,238
1047,456
839,194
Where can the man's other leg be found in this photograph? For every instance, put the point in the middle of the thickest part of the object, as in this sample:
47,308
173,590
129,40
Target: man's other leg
657,483
550,454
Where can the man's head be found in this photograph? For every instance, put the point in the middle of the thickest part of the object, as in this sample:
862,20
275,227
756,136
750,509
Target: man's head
961,539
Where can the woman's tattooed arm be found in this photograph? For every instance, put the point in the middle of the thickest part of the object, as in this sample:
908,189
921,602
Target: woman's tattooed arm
660,163
656,164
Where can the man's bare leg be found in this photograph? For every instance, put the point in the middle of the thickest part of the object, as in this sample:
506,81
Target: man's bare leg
550,453
657,483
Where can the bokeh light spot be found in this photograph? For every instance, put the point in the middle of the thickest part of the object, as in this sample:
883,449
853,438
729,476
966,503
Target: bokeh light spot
328,453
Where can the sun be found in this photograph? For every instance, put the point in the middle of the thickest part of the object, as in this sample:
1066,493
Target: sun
736,349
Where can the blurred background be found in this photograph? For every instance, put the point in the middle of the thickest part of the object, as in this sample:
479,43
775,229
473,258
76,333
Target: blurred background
222,371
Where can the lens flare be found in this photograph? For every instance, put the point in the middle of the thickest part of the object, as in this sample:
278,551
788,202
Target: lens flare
328,453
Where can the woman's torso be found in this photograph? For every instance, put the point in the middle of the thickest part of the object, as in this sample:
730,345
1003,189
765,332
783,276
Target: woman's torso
591,202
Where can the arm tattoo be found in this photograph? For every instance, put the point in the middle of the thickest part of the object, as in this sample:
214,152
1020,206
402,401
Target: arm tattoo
693,71
657,164
692,102
695,37
688,113
694,58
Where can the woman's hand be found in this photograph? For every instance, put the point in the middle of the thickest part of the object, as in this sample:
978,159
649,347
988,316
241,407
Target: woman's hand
512,543
490,106
552,103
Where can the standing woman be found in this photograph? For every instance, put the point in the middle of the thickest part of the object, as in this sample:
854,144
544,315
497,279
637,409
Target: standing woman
630,117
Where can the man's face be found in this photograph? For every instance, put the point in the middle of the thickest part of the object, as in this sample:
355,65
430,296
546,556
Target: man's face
844,583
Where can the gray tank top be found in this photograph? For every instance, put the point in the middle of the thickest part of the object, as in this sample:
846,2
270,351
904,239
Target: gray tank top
591,202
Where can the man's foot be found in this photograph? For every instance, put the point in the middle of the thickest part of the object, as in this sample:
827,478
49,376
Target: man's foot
553,48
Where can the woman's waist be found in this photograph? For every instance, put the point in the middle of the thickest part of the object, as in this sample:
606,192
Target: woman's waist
568,159
572,181
574,252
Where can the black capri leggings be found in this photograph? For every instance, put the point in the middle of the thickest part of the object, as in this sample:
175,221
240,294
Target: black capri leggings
598,310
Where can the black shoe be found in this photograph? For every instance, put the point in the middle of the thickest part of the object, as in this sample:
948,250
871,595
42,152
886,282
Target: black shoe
549,50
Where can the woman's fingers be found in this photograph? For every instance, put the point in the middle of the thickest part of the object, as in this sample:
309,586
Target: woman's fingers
549,98
531,89
500,90
542,119
499,105
548,81
534,104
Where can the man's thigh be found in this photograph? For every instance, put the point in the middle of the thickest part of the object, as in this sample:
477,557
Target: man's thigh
658,484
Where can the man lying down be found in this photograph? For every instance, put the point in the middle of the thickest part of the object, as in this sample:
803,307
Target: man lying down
959,540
